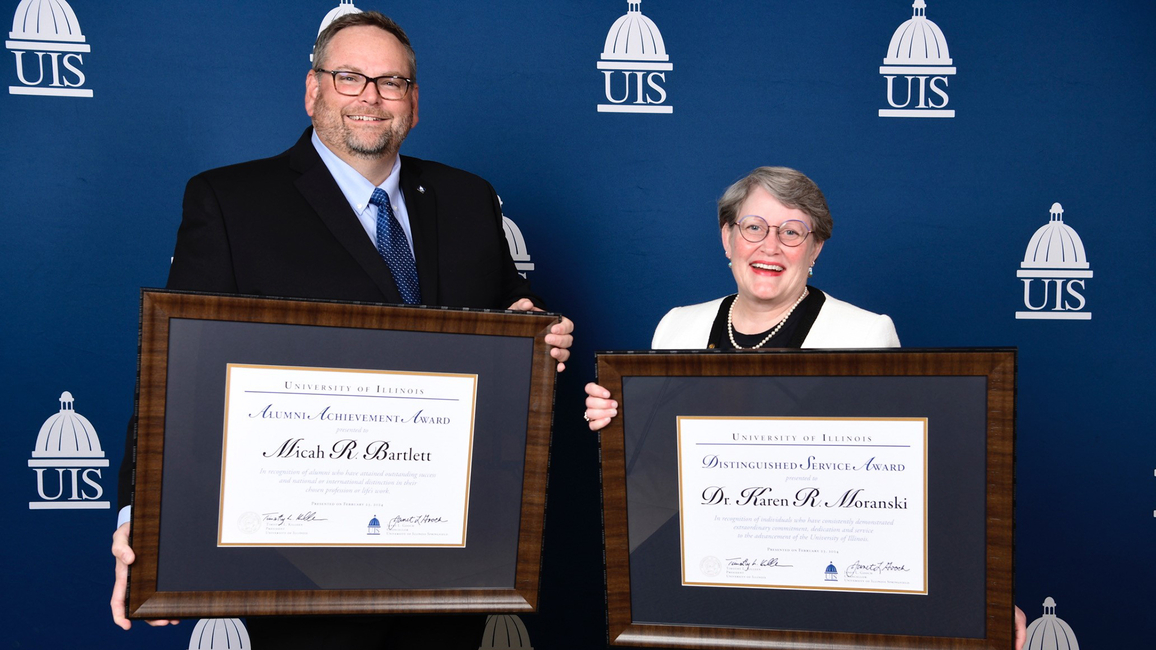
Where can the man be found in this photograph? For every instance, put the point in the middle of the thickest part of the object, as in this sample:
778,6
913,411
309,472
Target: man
341,216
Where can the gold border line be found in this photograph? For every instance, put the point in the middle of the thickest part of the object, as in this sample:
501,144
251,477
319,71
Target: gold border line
682,520
225,445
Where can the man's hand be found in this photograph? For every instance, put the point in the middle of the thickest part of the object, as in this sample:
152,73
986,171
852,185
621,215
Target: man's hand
1021,628
124,557
559,338
600,409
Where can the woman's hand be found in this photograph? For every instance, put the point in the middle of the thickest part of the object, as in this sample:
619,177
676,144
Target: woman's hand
600,409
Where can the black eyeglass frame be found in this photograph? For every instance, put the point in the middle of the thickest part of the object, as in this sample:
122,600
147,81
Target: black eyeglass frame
366,79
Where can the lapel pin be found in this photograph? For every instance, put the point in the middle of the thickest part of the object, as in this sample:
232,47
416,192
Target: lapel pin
421,189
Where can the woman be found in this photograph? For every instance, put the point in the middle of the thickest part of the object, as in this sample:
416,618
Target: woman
773,224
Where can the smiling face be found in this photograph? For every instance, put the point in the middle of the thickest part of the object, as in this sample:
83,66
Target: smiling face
768,273
365,126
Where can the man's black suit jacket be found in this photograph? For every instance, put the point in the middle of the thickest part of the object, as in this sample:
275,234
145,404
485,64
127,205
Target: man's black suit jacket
282,227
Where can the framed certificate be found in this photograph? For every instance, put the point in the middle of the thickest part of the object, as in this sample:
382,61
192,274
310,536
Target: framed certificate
810,499
305,457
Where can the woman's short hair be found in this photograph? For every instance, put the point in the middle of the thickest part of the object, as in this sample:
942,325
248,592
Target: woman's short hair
790,187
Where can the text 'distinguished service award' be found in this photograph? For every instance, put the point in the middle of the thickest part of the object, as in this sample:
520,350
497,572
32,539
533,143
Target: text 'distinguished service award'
329,457
804,503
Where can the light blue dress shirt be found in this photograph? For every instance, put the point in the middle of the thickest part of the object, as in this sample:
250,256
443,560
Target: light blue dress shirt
358,190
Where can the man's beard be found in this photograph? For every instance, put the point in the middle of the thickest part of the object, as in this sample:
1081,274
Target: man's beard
386,144
331,127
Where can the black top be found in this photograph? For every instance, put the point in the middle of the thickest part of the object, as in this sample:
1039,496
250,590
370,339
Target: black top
792,335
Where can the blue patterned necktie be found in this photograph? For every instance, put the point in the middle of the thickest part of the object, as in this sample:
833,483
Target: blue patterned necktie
394,249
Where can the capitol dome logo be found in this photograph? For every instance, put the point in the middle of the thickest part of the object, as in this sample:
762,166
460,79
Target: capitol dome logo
517,244
346,7
220,634
67,461
634,65
917,67
1049,632
505,632
48,45
1053,272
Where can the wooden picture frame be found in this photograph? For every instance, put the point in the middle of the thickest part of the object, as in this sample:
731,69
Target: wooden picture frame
186,340
970,434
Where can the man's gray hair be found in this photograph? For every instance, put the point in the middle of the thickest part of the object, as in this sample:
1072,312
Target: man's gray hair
364,18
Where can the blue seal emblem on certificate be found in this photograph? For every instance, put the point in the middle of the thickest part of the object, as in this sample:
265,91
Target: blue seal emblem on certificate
779,502
309,451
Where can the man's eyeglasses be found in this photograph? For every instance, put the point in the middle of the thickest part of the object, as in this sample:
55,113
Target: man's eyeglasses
790,233
354,83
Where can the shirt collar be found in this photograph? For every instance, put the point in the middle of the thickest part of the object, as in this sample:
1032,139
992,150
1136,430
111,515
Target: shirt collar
356,188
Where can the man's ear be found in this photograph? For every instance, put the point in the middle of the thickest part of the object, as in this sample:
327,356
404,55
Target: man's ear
414,93
312,88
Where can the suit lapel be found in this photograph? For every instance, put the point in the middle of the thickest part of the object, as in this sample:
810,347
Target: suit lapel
421,204
316,184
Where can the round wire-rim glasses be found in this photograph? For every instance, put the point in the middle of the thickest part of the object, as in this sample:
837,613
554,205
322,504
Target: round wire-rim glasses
353,84
755,229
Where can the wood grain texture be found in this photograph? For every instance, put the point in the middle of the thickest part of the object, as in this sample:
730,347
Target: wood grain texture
997,365
159,307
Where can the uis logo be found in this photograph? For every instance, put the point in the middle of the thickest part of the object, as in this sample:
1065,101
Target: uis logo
831,574
346,7
517,244
634,65
1053,272
917,68
1049,632
67,461
505,632
220,634
374,527
49,48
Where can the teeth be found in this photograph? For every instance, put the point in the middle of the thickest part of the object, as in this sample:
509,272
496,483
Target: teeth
364,118
767,267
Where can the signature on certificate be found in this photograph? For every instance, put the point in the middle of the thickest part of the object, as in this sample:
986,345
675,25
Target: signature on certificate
415,520
281,518
748,563
875,568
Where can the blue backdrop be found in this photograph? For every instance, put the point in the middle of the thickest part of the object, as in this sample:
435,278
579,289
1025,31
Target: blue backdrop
1051,101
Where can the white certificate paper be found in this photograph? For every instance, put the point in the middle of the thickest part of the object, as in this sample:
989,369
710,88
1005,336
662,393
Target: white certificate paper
329,457
834,504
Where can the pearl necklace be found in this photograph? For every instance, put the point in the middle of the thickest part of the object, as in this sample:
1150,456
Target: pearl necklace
731,327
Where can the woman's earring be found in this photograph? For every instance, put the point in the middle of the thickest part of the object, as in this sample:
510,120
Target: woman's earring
811,271
730,264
